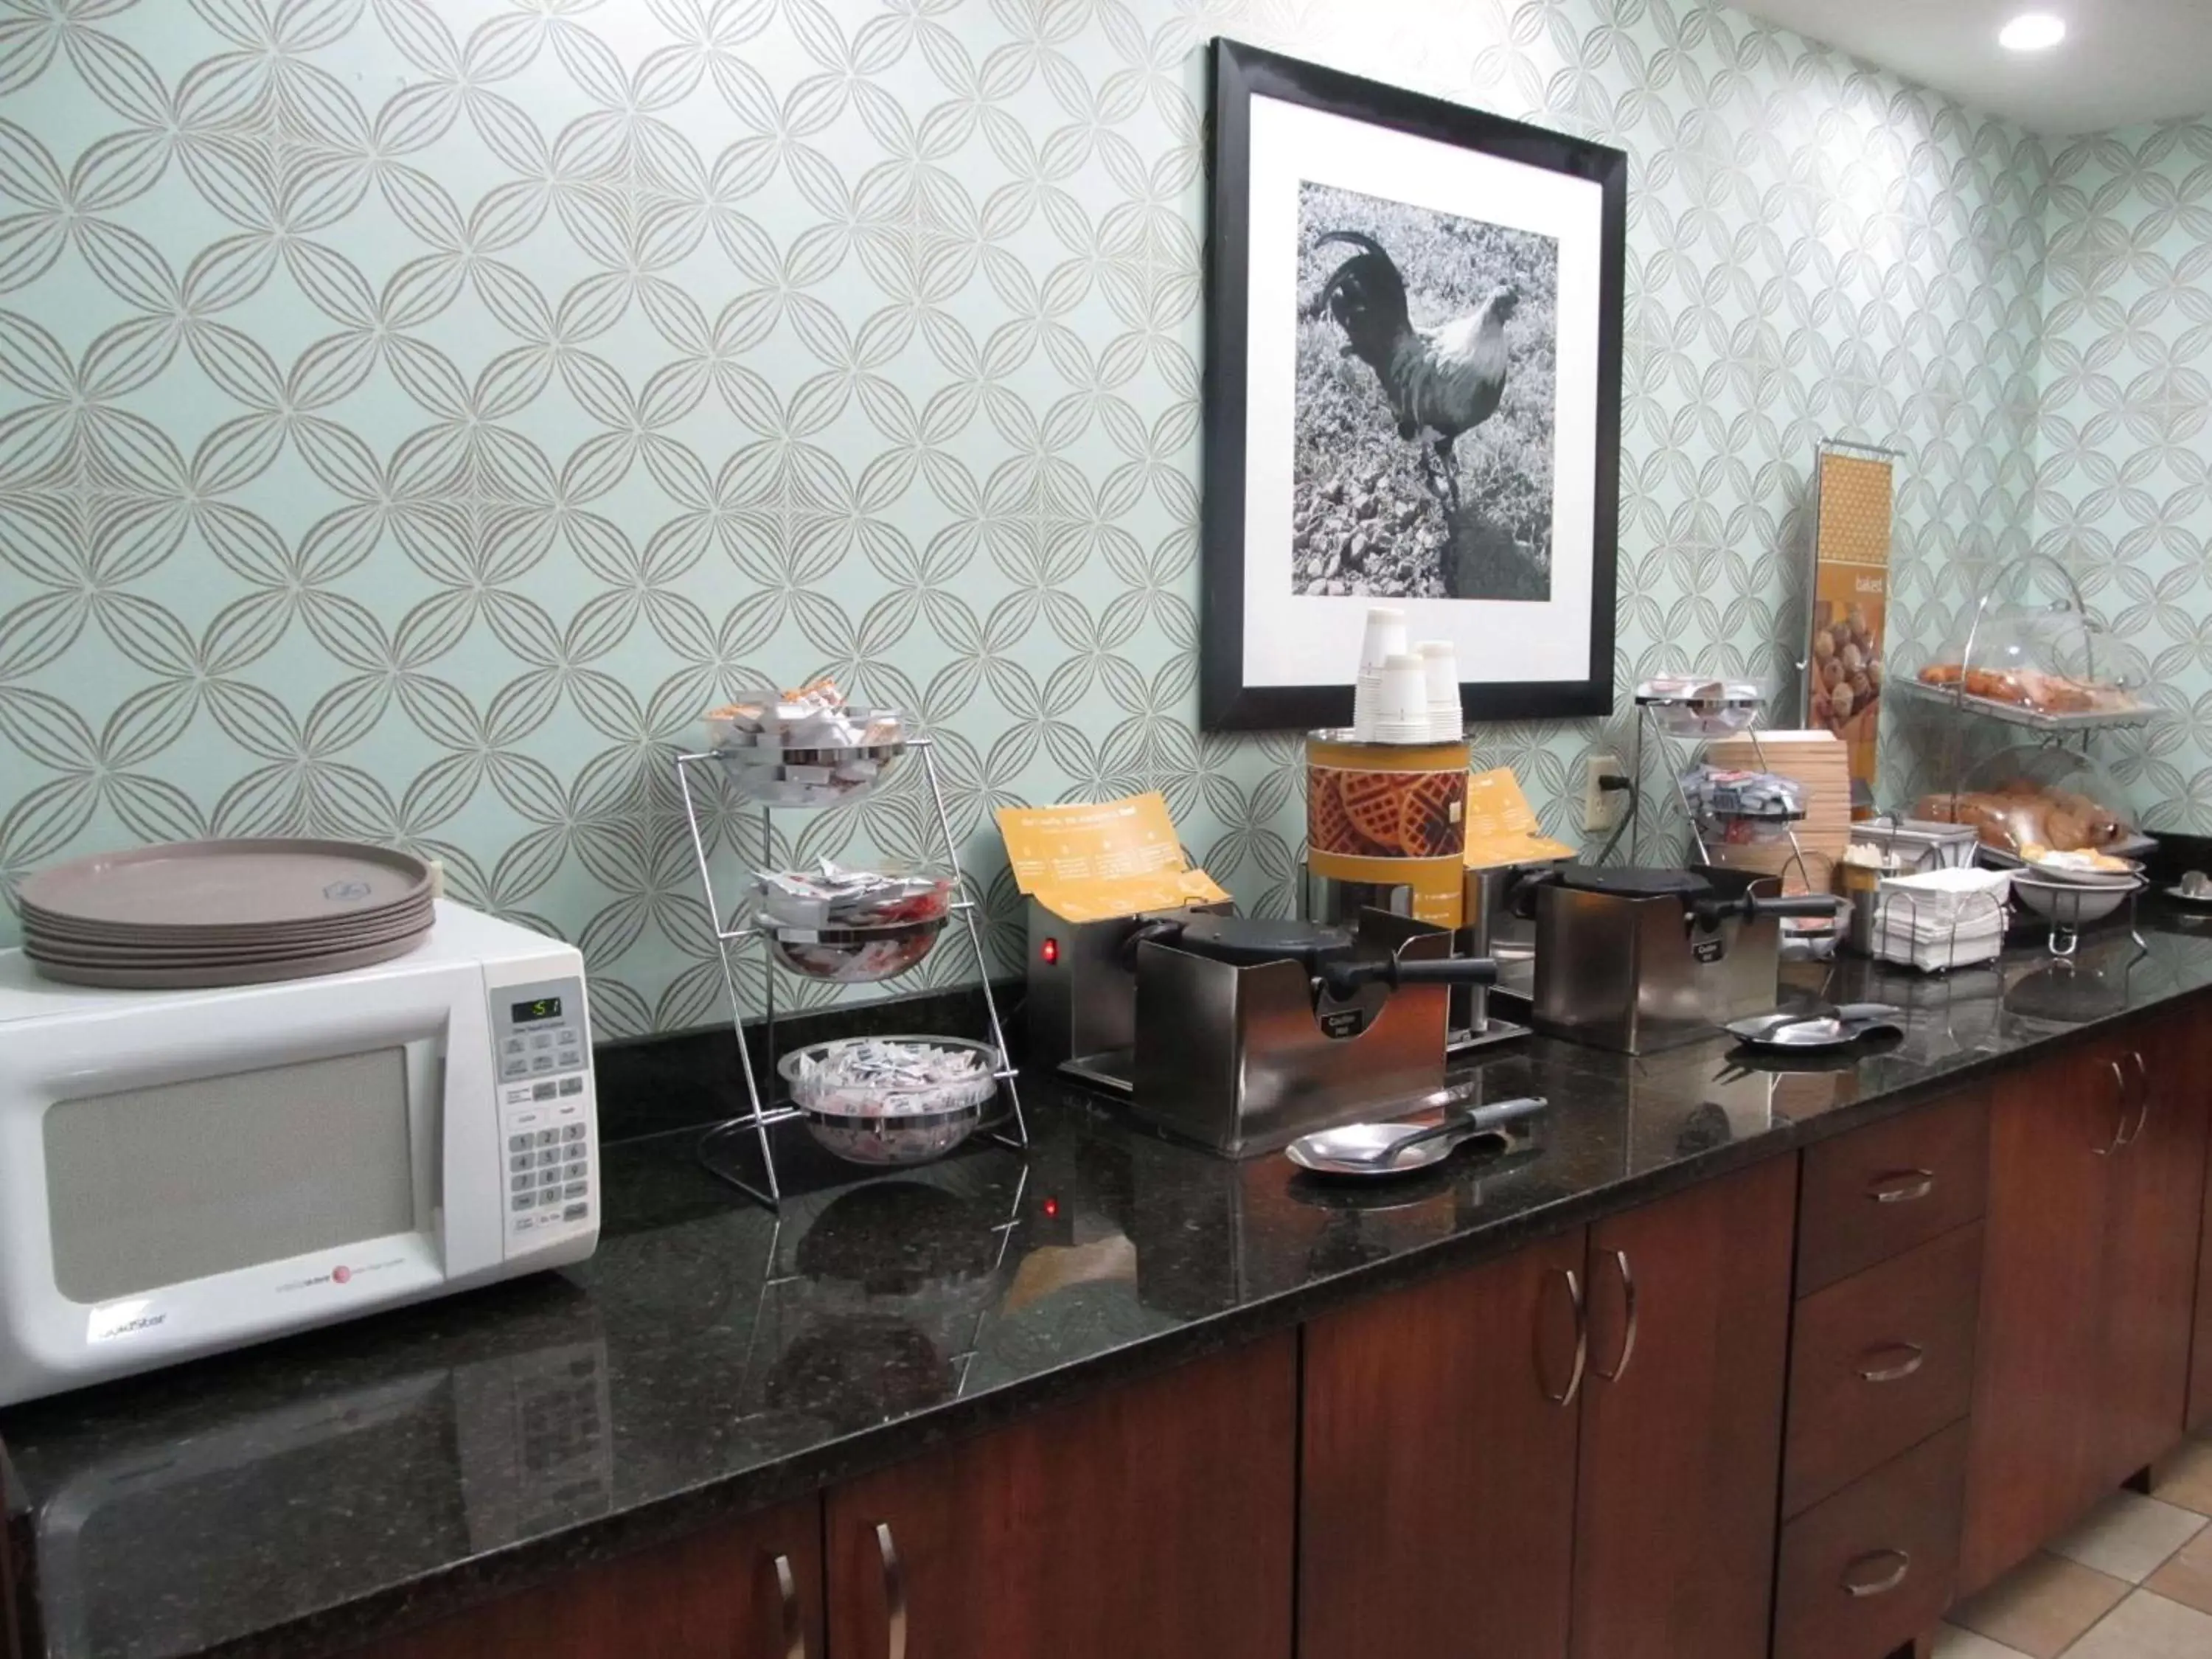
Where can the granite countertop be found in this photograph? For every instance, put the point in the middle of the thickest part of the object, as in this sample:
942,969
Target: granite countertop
313,1492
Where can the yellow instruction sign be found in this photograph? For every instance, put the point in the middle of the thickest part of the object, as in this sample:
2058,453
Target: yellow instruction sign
1090,863
1501,825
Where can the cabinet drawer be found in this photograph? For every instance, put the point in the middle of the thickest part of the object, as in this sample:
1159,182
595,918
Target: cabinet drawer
1876,1192
1873,1567
1878,1363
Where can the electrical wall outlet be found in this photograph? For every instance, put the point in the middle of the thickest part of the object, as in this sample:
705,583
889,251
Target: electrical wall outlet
1602,809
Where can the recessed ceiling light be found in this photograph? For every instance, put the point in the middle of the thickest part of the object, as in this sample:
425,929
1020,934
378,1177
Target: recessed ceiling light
2034,31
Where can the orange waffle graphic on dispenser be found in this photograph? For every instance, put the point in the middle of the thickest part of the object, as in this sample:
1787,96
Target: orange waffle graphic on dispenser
1372,800
1328,826
1432,815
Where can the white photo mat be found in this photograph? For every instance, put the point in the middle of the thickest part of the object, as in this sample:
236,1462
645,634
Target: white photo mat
1295,639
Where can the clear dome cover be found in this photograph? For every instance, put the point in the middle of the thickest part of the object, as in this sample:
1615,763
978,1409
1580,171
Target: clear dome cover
2040,797
2041,658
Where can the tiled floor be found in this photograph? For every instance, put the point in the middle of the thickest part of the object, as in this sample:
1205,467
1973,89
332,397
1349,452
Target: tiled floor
2134,1581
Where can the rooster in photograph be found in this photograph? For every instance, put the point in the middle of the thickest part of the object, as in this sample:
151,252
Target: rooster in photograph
1446,380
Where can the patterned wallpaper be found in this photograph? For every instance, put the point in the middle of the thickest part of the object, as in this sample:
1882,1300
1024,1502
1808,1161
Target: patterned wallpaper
2124,490
414,412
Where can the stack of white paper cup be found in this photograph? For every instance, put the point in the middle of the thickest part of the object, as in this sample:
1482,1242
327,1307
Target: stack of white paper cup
1401,701
1385,638
1440,660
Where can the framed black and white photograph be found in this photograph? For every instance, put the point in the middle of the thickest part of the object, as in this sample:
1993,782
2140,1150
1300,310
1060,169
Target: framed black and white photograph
1412,396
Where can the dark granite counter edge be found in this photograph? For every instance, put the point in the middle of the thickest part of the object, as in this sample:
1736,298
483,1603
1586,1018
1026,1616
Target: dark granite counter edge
471,1580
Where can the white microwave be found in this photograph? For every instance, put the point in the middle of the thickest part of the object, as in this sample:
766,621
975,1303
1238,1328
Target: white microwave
185,1171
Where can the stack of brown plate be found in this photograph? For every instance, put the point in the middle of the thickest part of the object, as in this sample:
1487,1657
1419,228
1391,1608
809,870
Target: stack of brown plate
196,913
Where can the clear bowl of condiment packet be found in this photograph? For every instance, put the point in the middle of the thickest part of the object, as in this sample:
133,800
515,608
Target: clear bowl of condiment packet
804,748
853,956
1694,706
833,895
887,1100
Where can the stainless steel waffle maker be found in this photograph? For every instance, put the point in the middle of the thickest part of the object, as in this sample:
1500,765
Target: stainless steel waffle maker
1244,1034
1638,960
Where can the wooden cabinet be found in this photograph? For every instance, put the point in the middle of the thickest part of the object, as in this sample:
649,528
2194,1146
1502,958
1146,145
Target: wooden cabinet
2200,1356
2033,1462
1156,1520
2097,1171
1890,1244
1872,1568
2156,1219
2192,1091
1437,1485
1478,1484
1875,1193
1878,1363
749,1590
1681,1446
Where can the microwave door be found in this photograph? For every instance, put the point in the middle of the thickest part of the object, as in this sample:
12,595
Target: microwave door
212,1172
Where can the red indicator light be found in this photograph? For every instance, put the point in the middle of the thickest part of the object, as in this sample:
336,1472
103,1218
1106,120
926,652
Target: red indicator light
1050,952
1051,1208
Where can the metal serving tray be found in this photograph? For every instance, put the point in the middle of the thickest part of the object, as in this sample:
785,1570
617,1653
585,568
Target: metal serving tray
2011,713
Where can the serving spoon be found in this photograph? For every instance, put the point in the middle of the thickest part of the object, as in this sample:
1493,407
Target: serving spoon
1379,1149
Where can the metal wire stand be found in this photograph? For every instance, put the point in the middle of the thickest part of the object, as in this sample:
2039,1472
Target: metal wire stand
2065,907
1885,939
763,1111
1648,720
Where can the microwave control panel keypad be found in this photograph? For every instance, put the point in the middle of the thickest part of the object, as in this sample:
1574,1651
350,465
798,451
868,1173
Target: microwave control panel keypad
538,1031
544,1110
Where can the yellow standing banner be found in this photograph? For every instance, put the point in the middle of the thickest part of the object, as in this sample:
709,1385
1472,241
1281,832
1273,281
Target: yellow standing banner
1853,504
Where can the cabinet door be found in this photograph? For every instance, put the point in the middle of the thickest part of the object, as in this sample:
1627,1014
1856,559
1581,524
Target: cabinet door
1155,1520
1681,1447
2200,1359
750,1590
2034,1462
2156,1225
1437,1487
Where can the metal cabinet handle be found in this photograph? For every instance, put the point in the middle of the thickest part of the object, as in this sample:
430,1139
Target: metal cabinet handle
2142,1089
1567,1396
1859,1587
1902,1187
793,1627
2119,1129
894,1593
1916,1356
1628,1339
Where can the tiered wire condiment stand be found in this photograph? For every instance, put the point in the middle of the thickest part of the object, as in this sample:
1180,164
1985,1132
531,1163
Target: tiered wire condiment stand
733,938
1651,717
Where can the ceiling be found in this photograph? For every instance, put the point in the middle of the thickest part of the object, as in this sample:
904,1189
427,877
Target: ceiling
2123,62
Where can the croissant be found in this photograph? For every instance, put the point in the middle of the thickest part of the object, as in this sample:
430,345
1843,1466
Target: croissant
2021,816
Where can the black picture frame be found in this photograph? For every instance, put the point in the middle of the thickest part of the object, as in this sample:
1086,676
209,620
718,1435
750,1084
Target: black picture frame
1240,73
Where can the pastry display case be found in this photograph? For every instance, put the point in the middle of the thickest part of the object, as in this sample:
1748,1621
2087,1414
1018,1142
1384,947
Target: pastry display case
2052,816
2032,799
2028,655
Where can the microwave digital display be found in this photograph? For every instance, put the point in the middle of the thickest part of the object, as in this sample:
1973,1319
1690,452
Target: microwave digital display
537,1008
